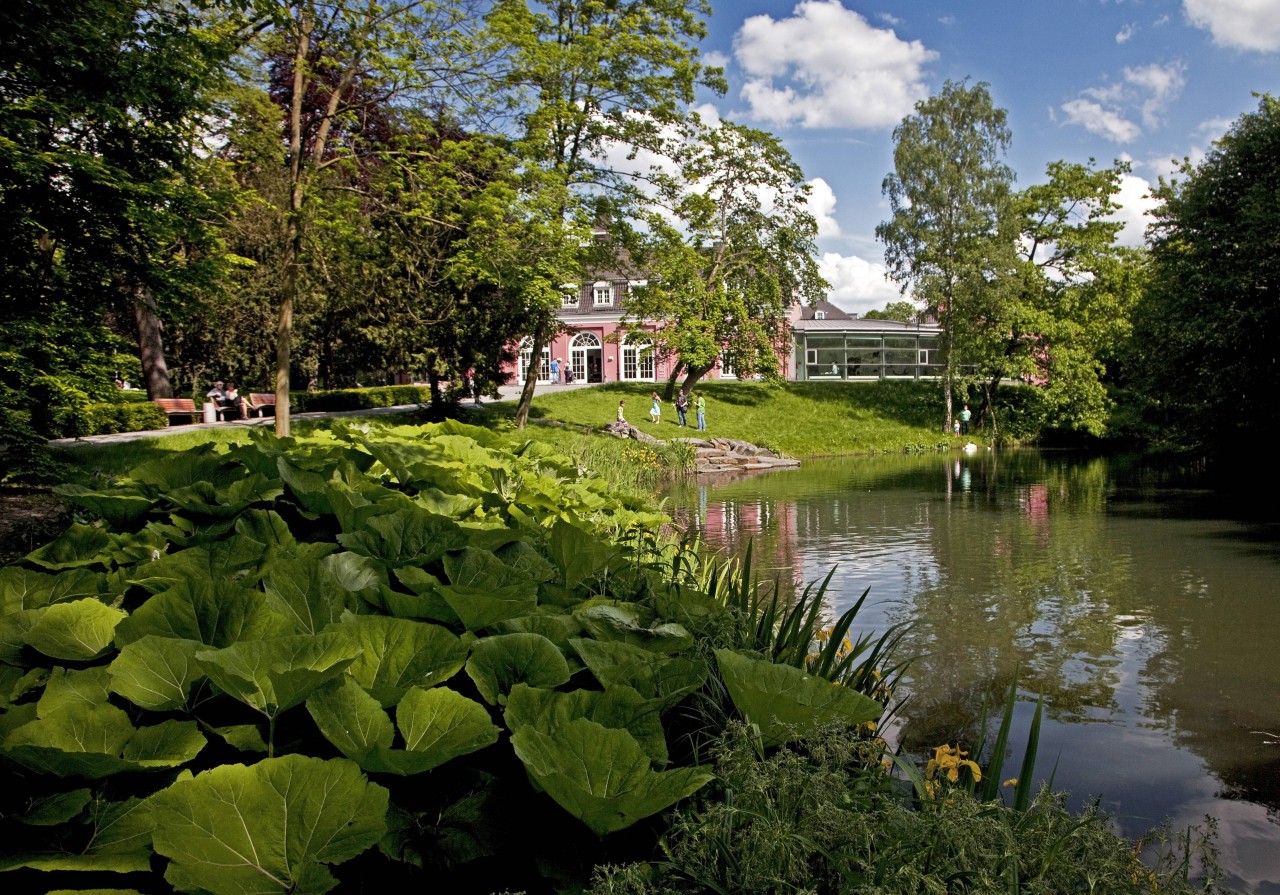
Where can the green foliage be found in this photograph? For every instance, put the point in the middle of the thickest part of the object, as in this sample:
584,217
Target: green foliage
360,398
426,603
952,234
823,817
1205,330
740,252
134,416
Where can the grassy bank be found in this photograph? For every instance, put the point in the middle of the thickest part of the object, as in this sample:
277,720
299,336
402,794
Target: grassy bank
797,419
794,419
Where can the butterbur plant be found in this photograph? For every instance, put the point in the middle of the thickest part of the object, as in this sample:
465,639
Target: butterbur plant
411,655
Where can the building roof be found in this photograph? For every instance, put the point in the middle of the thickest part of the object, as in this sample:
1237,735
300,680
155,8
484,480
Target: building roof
828,310
862,325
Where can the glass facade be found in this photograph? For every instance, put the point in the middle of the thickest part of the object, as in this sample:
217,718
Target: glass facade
867,356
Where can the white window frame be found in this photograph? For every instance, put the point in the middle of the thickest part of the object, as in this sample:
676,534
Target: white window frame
602,294
638,359
570,295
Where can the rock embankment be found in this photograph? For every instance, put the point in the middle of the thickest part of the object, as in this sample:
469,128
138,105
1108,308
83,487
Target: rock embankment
715,455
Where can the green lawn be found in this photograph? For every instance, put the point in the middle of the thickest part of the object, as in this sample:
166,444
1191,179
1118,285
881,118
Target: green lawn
797,419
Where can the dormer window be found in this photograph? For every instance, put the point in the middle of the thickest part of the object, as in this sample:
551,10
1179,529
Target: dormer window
819,315
569,295
602,294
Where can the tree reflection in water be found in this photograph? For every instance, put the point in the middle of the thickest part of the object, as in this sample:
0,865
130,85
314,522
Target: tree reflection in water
1147,618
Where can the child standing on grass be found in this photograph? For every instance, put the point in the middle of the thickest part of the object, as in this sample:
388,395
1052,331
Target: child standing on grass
700,406
621,417
655,409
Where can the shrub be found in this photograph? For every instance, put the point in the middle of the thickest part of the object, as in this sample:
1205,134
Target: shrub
359,398
130,416
824,817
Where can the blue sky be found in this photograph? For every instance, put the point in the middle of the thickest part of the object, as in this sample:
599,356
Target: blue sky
1148,81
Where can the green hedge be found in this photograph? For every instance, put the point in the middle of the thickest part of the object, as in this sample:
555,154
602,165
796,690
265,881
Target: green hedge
134,416
359,399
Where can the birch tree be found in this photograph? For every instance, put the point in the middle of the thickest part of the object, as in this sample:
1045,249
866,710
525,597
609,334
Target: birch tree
951,239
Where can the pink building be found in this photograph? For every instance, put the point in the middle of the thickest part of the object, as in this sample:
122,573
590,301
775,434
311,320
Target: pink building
827,343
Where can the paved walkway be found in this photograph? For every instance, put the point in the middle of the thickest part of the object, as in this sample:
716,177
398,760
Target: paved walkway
505,393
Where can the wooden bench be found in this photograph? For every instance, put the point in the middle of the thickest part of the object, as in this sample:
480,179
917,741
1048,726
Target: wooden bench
259,402
180,407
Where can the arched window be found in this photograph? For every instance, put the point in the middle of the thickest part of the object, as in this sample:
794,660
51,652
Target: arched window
585,357
637,358
526,358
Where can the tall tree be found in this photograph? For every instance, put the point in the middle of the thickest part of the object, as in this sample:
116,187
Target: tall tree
951,238
1206,330
586,78
338,63
729,252
1072,298
100,105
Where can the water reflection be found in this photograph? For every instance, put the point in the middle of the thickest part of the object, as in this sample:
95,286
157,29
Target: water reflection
1146,616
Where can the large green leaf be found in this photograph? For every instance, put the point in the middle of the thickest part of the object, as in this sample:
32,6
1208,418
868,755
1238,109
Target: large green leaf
484,590
22,588
441,724
410,536
156,672
272,827
436,726
500,662
399,654
97,741
118,837
785,702
119,507
628,622
620,707
307,592
279,673
579,555
352,720
75,631
601,775
655,676
216,613
79,545
227,498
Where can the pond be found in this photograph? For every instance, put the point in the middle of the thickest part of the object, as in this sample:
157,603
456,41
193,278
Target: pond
1145,610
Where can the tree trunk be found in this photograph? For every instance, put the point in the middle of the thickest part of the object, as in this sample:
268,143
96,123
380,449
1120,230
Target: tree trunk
155,371
691,380
531,376
284,327
670,391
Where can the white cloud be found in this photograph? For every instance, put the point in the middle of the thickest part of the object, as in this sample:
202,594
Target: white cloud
1125,34
822,205
1162,83
1104,122
826,66
1145,91
715,58
1135,209
857,286
1239,24
1215,127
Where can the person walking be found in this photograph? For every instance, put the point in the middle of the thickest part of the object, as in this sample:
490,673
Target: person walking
555,370
682,408
700,408
655,409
